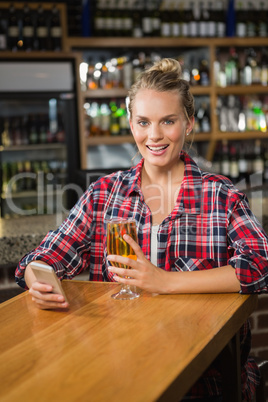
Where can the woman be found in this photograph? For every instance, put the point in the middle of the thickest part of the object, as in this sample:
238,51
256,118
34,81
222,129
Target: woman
196,232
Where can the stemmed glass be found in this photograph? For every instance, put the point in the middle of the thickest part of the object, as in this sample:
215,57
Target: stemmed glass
116,228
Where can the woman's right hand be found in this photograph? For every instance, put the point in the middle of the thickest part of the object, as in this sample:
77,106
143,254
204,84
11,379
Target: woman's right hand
44,299
41,293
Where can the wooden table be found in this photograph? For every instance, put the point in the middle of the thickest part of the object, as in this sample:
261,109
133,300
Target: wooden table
147,349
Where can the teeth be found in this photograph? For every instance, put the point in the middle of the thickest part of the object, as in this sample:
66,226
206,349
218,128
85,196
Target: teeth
157,148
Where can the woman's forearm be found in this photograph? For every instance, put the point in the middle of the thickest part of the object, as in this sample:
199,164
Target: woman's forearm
217,280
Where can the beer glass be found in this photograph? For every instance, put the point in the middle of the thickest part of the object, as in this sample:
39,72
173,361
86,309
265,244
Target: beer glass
116,228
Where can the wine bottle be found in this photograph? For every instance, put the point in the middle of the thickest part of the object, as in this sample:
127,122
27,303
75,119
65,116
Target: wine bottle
262,30
251,20
241,18
3,33
42,30
55,29
27,30
13,29
147,20
231,67
165,19
220,19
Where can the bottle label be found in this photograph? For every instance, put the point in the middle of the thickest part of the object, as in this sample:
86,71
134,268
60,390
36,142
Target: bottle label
212,28
99,23
262,29
221,29
137,32
225,167
193,28
176,29
147,25
165,29
128,24
203,29
42,32
184,30
3,42
56,32
13,31
28,32
241,30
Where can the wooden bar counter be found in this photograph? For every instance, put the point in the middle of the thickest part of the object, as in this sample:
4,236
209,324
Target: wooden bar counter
149,349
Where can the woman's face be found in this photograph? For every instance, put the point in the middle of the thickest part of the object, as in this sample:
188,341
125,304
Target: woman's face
159,126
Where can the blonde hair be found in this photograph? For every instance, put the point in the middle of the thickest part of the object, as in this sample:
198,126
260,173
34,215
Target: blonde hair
165,75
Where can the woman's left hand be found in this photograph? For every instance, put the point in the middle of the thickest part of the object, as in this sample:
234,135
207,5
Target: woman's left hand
142,274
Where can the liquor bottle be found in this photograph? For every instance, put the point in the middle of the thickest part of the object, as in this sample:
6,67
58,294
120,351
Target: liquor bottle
42,30
13,29
33,136
94,114
105,114
204,72
243,165
264,66
123,119
127,19
147,20
55,29
241,18
247,74
225,162
185,9
265,171
137,21
99,19
165,19
262,29
118,18
231,67
156,21
114,121
220,19
103,81
3,34
203,21
234,167
27,30
193,24
251,20
211,21
175,20
91,81
258,162
230,21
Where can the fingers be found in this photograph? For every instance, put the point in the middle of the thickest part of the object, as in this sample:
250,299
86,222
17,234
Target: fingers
133,244
44,299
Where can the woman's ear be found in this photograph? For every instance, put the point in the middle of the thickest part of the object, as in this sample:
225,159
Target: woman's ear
190,126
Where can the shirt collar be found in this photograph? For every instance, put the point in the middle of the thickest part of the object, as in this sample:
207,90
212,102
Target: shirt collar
189,197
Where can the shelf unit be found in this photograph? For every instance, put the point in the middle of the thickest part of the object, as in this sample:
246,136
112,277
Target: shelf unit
212,91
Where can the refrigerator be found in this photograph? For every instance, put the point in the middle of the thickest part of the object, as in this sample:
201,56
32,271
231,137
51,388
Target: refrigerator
39,140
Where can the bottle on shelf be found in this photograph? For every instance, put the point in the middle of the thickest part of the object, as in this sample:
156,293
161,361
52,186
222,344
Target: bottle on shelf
156,20
234,165
225,161
264,67
211,20
55,30
13,29
241,20
114,121
3,33
147,20
262,28
166,21
137,20
230,19
258,161
42,30
251,22
27,30
231,67
220,19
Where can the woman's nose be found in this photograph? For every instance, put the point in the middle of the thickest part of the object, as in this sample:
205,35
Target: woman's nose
155,133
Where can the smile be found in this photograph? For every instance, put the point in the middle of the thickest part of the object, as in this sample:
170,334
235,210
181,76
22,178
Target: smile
157,149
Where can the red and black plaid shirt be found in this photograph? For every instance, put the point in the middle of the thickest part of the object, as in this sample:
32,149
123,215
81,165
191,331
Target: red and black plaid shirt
210,226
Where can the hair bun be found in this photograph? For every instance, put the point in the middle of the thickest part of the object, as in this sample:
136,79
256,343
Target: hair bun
168,65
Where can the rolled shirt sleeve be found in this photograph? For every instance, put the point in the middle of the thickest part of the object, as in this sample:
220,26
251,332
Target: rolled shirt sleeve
248,244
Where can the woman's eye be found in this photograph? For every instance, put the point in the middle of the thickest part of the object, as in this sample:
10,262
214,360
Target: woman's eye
142,123
168,122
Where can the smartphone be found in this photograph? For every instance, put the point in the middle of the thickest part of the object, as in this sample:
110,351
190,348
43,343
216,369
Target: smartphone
47,275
